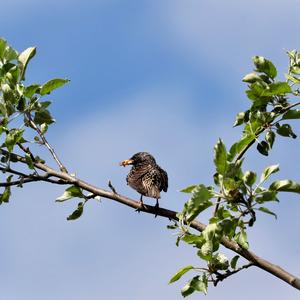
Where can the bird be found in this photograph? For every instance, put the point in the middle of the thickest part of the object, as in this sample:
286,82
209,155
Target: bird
146,176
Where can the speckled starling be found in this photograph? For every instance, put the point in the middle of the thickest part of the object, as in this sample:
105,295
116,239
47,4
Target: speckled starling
145,176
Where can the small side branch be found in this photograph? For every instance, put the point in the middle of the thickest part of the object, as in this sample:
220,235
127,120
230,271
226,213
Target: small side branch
46,143
222,276
217,206
112,187
26,178
241,154
22,181
26,150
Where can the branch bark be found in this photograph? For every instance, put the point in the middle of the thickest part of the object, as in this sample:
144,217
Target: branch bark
170,214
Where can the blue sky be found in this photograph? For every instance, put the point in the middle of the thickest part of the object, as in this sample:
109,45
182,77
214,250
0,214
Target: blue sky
160,76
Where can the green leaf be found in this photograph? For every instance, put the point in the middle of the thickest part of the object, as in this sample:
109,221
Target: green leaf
206,250
270,138
188,189
222,213
6,194
12,138
241,239
172,226
251,78
285,186
76,213
233,262
286,131
220,157
210,231
278,88
292,78
220,262
266,196
295,70
269,171
196,240
263,148
187,290
239,119
196,284
197,203
249,178
267,211
7,53
13,76
21,104
180,273
292,114
43,116
38,159
239,146
3,45
31,90
52,85
44,128
265,66
29,161
24,59
70,192
9,97
256,94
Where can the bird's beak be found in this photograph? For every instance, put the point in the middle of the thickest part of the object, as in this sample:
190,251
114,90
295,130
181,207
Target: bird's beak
126,162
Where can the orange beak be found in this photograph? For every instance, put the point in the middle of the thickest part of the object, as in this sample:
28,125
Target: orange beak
126,162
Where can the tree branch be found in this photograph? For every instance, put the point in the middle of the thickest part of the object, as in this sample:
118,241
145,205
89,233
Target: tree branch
31,179
25,178
45,142
166,213
26,150
241,154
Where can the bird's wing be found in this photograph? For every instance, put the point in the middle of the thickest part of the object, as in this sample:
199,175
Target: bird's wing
136,173
163,179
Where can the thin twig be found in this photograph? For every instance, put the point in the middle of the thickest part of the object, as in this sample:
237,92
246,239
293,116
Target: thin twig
45,142
241,154
217,206
112,187
25,178
26,150
291,106
15,172
30,179
222,276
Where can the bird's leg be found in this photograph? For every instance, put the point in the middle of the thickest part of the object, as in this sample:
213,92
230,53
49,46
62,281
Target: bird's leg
142,206
156,207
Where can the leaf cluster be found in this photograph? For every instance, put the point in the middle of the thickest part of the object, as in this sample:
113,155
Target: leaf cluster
22,108
237,195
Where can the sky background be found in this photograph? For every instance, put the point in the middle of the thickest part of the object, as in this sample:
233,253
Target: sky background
157,76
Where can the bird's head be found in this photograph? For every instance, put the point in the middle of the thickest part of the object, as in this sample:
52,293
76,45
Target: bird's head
139,158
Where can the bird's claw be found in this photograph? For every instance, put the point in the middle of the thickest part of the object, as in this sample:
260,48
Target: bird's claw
142,207
156,207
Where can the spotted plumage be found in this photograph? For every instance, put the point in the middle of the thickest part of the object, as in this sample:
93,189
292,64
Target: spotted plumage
145,176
